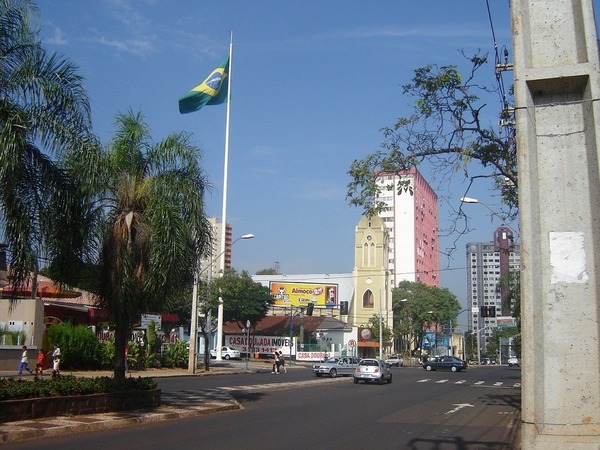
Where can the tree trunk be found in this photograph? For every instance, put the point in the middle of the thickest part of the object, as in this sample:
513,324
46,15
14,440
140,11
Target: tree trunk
121,331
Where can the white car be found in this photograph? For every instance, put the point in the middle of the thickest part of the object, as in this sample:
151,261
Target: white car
513,361
227,353
395,360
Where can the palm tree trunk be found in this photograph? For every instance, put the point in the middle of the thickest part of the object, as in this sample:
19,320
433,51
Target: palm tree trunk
121,332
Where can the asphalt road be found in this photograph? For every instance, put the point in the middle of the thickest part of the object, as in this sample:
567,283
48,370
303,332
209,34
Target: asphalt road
476,409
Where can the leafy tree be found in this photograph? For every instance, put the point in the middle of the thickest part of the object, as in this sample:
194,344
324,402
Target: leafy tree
149,222
374,324
44,113
269,271
446,130
417,306
243,298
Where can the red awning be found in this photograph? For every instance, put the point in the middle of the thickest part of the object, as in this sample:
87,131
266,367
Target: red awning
172,317
45,289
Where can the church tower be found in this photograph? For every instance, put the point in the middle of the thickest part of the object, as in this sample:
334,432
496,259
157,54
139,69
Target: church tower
372,289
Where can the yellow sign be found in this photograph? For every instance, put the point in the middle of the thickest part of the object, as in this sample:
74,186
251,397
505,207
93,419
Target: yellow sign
301,294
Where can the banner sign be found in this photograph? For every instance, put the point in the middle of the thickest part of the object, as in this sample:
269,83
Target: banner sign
301,294
260,344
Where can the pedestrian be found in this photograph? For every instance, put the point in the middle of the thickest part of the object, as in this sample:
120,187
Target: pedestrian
56,361
282,362
275,362
39,366
24,364
126,355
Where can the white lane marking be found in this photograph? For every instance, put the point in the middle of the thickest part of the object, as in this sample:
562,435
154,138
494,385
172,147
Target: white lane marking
460,406
424,381
479,382
441,381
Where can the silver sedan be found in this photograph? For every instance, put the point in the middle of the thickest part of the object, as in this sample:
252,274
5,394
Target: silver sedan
373,370
335,367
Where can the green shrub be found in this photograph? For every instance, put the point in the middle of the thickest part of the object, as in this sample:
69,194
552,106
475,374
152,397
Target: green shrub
79,346
13,389
176,355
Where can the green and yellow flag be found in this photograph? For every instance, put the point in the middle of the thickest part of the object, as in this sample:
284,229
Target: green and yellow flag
212,91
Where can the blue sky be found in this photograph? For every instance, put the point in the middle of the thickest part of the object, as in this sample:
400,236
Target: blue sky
313,83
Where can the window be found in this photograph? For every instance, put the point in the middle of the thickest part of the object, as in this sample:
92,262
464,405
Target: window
368,299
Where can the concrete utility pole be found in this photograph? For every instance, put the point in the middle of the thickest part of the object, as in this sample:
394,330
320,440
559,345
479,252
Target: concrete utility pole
557,91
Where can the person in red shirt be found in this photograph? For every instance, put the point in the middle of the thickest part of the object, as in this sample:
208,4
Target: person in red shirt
39,366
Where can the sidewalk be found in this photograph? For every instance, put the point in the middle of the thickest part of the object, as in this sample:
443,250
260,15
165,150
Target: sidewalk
173,405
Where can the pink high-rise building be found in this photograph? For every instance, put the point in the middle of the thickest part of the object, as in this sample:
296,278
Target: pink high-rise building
411,216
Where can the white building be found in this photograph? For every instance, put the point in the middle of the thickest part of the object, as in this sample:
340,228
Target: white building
411,218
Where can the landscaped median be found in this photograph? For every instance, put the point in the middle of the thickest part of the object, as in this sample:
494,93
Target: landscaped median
69,395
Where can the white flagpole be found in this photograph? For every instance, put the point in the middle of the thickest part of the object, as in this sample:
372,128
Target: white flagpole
224,211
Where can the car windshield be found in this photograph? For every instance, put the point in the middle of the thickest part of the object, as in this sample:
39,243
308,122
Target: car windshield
369,362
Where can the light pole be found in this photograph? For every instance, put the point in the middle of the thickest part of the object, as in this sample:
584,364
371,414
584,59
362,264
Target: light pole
494,213
479,345
220,308
247,342
194,318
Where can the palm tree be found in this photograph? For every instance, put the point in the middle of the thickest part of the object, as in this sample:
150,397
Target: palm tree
44,113
149,220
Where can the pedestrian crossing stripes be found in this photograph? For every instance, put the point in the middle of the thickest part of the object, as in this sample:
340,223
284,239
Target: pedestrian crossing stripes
489,384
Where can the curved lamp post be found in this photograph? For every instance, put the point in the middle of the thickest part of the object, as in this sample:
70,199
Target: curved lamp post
494,213
220,308
194,319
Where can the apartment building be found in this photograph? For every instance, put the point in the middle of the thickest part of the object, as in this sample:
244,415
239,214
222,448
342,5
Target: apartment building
411,217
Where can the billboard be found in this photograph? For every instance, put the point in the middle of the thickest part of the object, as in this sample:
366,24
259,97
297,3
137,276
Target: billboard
301,294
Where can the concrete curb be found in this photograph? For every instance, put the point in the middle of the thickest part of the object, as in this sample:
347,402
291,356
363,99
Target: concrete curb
176,406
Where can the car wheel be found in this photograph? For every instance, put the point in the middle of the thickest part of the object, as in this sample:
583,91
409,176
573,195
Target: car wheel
356,381
381,380
454,369
333,373
227,356
390,379
428,368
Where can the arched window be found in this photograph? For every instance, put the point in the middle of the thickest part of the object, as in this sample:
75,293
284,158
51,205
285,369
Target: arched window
368,300
368,252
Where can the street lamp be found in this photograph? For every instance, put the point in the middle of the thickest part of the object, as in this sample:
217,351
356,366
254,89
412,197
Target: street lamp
494,213
194,319
220,308
479,345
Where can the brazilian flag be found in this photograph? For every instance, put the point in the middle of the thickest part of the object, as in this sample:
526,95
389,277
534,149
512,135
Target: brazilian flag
212,91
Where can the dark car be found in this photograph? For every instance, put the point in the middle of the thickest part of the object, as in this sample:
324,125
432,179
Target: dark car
445,363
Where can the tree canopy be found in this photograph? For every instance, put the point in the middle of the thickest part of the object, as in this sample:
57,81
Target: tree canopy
417,307
447,130
44,114
243,298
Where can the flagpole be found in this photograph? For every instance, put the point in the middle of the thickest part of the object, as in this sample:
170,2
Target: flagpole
224,211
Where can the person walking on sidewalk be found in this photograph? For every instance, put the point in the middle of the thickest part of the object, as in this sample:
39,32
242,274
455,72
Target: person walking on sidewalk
39,366
24,365
56,361
282,362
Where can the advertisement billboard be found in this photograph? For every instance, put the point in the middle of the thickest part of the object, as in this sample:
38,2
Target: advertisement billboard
301,294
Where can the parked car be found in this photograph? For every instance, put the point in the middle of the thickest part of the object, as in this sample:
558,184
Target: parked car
395,360
375,370
227,353
334,367
513,361
445,363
